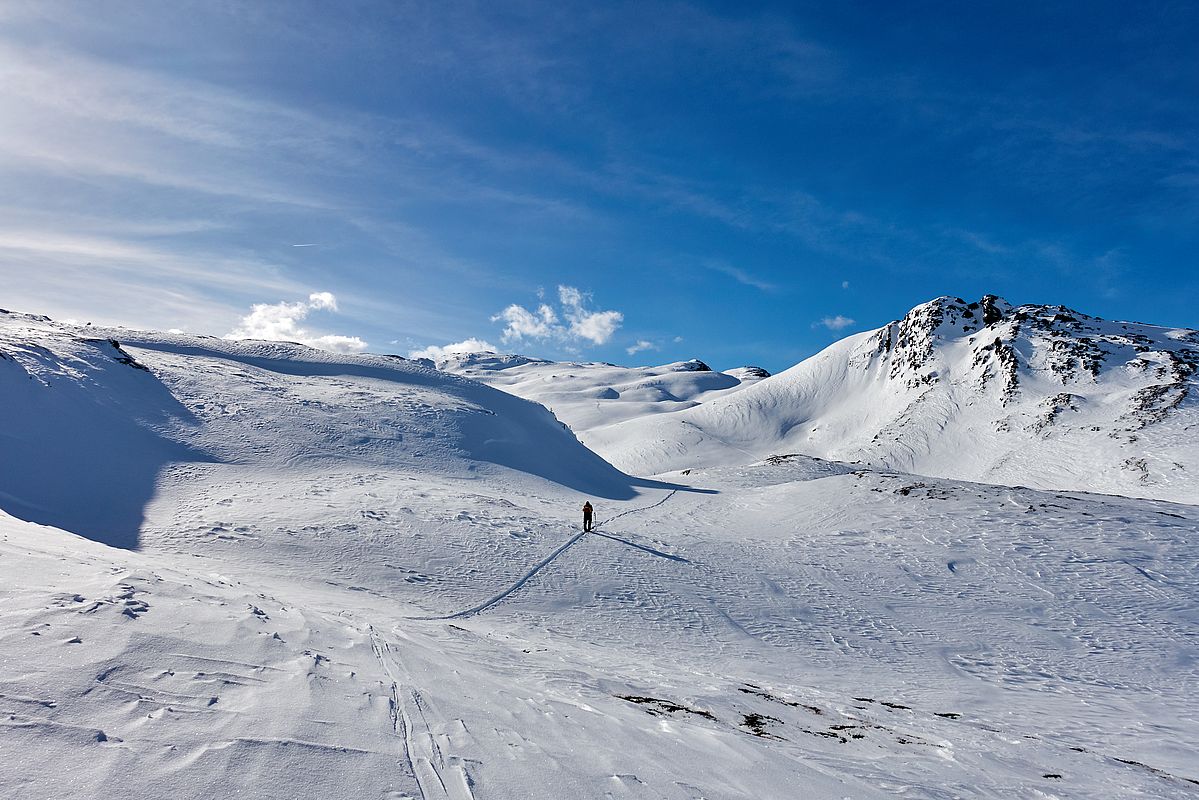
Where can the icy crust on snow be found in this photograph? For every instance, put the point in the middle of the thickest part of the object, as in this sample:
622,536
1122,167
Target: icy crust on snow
92,416
1033,395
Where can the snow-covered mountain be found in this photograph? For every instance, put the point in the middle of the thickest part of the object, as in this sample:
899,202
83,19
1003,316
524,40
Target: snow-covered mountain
588,395
90,421
1031,395
354,576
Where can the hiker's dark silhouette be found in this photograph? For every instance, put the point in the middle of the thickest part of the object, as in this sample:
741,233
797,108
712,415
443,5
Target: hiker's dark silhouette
587,515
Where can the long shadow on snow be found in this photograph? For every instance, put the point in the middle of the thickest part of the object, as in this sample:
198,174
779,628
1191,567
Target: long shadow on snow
79,450
500,428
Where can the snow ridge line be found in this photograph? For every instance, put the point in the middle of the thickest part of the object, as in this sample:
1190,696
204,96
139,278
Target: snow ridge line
491,601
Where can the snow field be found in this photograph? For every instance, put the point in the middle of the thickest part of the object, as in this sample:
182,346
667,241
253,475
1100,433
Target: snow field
355,577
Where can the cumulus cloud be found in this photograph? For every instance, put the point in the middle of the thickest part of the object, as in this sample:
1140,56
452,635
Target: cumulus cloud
322,300
576,322
641,344
835,323
438,354
280,322
521,323
595,326
598,327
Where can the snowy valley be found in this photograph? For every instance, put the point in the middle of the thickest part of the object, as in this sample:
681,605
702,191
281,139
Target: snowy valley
951,557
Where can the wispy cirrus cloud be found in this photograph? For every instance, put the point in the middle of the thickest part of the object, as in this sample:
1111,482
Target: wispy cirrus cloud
133,276
743,277
834,323
75,116
504,145
83,133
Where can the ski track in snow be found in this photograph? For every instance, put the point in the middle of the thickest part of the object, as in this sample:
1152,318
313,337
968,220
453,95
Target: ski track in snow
437,779
798,628
553,556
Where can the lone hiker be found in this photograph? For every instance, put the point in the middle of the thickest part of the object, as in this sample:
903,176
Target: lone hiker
587,516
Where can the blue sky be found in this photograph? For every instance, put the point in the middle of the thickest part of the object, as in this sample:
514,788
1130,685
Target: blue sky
739,184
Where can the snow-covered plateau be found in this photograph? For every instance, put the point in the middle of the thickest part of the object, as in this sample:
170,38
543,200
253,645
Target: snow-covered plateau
954,557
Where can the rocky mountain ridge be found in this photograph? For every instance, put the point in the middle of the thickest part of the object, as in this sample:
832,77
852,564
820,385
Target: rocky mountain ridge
1060,344
1030,394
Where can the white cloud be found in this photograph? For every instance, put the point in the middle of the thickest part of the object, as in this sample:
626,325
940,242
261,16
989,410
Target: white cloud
439,354
577,322
595,326
111,257
520,322
741,276
280,322
570,297
844,284
835,323
322,300
641,344
76,115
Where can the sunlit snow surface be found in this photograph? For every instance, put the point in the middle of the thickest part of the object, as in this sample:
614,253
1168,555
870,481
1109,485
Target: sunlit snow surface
348,584
1031,395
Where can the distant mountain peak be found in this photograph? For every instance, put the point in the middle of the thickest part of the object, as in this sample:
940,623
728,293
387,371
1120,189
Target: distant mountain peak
1006,341
981,390
748,372
484,359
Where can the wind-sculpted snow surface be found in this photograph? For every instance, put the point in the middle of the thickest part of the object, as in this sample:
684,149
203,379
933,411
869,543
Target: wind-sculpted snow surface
807,630
1034,395
352,580
91,421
